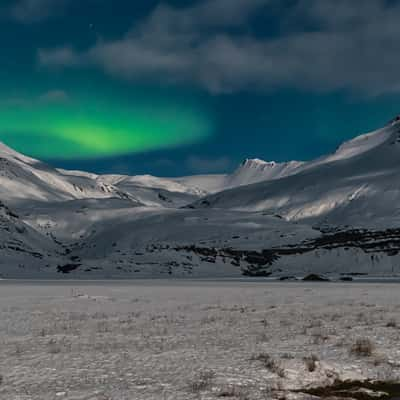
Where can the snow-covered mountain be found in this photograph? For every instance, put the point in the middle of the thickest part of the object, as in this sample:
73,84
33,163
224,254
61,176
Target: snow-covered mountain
256,170
23,178
337,214
357,185
154,191
24,251
250,171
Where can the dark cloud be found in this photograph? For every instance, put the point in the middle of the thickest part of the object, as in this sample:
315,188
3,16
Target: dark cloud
205,15
63,56
30,11
348,44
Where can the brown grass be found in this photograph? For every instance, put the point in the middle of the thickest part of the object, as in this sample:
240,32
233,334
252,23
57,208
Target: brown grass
311,362
202,382
270,364
362,347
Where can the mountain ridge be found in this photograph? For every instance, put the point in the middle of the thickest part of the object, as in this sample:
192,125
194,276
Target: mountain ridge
334,215
355,168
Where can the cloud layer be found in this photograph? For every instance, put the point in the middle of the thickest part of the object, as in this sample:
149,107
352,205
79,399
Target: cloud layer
321,45
30,11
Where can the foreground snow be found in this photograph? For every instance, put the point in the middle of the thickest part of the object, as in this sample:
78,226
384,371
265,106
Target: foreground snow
170,340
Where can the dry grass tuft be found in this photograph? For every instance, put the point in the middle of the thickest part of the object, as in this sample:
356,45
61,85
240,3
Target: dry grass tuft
363,347
202,382
236,392
270,364
392,323
311,362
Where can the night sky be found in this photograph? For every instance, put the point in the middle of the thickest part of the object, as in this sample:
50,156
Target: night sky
182,87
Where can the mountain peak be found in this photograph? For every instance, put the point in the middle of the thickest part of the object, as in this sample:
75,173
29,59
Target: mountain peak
395,120
256,162
6,151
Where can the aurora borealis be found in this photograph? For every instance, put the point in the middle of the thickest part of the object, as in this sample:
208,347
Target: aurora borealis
147,86
90,128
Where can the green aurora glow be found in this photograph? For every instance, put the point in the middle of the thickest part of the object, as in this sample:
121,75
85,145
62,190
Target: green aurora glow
84,128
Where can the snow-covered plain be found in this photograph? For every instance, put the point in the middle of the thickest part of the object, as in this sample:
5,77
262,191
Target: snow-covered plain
335,215
174,340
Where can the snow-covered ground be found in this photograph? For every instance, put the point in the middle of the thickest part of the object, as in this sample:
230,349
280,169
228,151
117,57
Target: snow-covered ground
192,340
338,214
